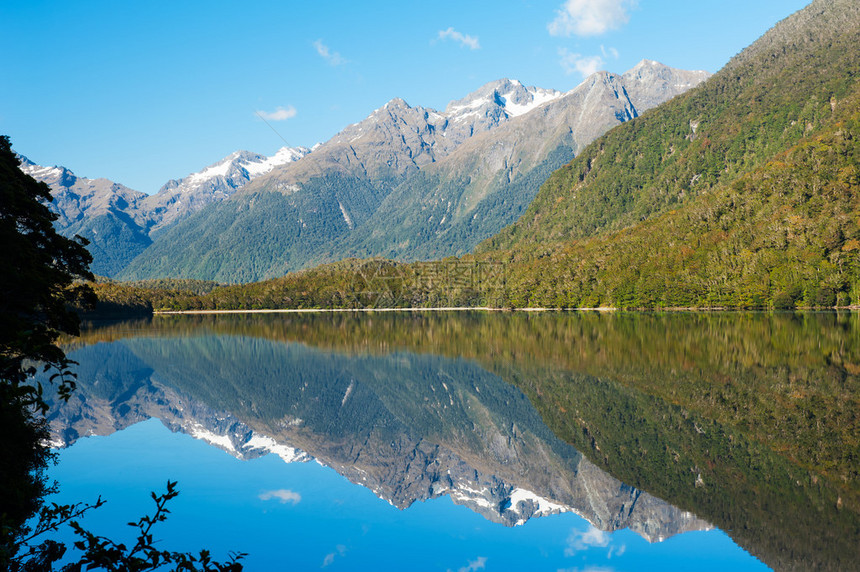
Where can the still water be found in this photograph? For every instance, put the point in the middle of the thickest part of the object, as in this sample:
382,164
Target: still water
476,441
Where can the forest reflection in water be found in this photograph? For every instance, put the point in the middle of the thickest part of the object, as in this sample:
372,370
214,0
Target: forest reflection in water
747,420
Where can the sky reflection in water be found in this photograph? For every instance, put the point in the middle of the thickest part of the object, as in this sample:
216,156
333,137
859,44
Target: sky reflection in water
303,516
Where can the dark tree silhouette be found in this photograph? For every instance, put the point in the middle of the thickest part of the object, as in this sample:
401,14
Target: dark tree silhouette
38,279
41,275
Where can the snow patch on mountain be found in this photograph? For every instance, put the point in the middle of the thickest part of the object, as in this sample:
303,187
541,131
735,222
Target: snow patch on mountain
539,97
239,166
510,97
282,157
180,198
285,452
219,170
230,439
39,172
543,506
197,431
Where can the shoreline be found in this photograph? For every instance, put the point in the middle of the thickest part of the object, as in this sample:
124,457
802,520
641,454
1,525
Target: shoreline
604,310
369,310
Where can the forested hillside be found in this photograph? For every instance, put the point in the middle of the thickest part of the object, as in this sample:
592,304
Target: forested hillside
793,83
743,192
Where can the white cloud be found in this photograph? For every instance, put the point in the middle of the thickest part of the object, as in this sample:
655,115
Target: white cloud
279,114
580,540
283,495
340,550
477,564
577,63
609,52
590,17
333,58
465,40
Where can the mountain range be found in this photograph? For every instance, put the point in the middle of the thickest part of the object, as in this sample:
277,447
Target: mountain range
406,182
120,222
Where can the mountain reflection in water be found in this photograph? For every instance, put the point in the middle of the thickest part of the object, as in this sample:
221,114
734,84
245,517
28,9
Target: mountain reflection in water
750,421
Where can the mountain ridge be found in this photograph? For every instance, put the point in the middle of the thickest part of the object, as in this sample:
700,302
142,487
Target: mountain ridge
363,192
106,213
214,183
121,222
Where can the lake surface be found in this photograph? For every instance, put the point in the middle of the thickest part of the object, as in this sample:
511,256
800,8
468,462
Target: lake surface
476,441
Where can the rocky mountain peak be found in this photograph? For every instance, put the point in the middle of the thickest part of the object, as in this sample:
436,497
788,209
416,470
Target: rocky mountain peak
73,195
180,197
397,103
504,97
649,71
649,83
56,175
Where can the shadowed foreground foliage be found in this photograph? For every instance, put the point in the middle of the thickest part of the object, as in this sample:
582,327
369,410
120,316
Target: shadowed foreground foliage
42,280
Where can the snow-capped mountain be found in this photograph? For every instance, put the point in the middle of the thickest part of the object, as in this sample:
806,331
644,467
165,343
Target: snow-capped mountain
76,197
405,138
511,137
121,222
511,96
180,197
106,213
493,104
408,182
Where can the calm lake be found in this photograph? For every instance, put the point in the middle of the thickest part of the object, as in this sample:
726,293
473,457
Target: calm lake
475,441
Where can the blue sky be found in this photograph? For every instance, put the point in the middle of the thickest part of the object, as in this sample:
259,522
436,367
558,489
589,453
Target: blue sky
142,92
